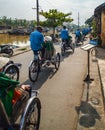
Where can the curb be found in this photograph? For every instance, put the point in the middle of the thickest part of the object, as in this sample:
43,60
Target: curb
101,68
17,51
20,51
102,87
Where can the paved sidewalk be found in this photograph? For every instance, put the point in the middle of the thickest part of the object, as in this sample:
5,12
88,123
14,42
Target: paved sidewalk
91,110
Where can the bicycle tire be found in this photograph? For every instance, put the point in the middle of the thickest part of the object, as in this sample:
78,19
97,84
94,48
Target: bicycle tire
63,49
57,61
34,70
26,122
72,46
10,52
12,71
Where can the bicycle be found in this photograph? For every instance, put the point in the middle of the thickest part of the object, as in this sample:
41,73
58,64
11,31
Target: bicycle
24,104
37,63
10,68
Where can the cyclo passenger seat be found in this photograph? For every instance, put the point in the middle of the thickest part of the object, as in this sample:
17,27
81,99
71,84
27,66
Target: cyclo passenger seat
49,47
7,86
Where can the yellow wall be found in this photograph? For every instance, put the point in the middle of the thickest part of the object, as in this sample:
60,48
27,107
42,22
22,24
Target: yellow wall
103,28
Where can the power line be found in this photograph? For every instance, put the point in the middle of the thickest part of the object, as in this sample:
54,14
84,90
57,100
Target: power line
49,3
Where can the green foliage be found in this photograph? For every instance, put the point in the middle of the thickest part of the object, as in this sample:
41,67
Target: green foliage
94,25
55,18
4,21
92,22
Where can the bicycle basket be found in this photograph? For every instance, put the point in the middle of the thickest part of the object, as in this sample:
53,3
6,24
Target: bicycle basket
7,86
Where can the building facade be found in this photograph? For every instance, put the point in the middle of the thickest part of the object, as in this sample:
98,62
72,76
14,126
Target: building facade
99,14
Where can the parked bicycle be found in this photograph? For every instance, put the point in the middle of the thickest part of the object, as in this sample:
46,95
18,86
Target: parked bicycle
50,57
10,68
18,102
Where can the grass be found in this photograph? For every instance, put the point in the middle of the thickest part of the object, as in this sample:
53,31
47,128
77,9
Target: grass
22,49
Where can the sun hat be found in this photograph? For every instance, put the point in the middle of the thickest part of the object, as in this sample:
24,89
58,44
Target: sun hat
48,38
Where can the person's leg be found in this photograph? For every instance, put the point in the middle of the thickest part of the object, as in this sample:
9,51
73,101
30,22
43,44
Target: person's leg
67,42
35,54
43,52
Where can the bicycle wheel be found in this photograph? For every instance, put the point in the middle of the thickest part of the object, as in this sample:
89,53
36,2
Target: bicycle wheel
12,71
63,49
30,119
76,41
34,70
72,46
10,52
57,61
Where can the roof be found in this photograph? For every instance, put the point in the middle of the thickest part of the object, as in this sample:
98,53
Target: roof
99,8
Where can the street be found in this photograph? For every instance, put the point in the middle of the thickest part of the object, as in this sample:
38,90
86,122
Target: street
59,92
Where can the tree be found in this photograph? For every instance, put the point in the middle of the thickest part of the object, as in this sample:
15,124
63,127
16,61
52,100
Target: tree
89,21
55,18
92,23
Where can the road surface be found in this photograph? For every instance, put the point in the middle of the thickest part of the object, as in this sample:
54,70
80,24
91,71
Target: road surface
60,92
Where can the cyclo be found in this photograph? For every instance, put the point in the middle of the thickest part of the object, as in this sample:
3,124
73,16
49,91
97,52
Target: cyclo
67,46
10,68
19,110
50,57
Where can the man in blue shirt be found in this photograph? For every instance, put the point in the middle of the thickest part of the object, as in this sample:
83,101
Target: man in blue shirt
64,34
78,34
37,40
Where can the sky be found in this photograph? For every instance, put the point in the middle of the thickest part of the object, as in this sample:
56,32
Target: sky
23,9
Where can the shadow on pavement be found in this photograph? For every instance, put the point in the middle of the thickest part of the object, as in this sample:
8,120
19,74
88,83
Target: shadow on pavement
46,73
66,55
88,114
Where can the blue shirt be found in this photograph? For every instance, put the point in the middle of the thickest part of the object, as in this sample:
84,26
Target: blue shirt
36,40
64,34
78,34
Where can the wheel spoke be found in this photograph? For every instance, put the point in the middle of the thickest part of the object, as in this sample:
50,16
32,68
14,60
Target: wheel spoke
34,71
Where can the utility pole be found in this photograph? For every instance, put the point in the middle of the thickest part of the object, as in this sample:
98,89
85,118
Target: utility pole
37,11
78,20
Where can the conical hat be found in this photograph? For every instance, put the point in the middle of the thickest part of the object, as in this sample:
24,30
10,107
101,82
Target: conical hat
48,38
3,61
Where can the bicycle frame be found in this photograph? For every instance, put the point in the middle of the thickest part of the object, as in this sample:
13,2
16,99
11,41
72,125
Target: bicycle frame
8,122
37,63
